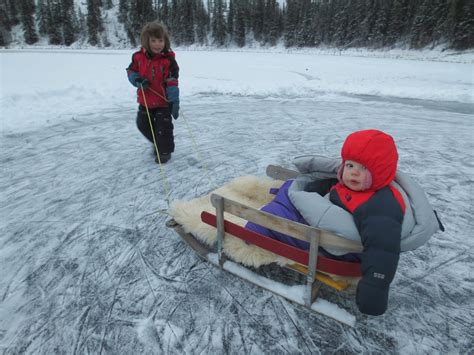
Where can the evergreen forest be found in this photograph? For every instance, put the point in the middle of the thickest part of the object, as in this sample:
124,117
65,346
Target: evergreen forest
221,23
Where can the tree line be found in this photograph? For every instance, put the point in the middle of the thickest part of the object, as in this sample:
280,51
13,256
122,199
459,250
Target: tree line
298,23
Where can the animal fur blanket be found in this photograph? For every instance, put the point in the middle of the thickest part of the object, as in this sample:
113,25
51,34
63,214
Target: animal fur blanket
249,190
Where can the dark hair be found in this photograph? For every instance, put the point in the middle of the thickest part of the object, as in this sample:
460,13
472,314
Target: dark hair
157,30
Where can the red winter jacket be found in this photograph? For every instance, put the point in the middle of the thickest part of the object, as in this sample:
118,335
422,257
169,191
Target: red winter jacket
378,215
375,150
161,70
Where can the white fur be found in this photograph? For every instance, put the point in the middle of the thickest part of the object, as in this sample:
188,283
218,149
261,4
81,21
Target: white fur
249,190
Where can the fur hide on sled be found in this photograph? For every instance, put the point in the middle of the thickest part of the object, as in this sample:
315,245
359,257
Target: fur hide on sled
249,190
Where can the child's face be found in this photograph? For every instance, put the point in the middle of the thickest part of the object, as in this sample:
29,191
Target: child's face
156,44
354,175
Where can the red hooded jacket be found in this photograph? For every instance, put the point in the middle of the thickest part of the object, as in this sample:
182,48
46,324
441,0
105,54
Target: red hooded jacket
378,215
375,150
161,70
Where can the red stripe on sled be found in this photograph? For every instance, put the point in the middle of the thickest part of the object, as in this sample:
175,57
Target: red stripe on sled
324,264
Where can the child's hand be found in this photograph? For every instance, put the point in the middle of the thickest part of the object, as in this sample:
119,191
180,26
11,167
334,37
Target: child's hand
142,83
173,97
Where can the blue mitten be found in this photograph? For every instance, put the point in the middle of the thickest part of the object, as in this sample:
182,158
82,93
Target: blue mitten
173,97
142,82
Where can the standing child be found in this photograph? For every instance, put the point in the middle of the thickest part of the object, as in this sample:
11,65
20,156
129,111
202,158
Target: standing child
154,71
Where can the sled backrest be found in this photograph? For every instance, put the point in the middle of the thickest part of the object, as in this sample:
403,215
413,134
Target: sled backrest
324,264
300,231
285,226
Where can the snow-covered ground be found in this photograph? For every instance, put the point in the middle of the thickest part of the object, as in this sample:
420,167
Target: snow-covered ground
87,263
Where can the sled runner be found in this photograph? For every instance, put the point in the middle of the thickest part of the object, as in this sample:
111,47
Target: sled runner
213,226
318,269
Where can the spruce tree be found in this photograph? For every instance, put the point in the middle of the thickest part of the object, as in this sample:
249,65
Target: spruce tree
141,12
42,17
419,25
272,22
291,21
27,10
81,25
440,30
239,24
124,7
13,12
382,18
340,24
53,21
327,21
315,27
163,11
94,21
305,34
5,25
463,24
68,22
218,23
107,4
367,25
258,7
356,18
201,22
175,25
187,19
230,20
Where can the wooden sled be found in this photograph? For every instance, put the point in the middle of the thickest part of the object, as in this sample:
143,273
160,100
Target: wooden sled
317,269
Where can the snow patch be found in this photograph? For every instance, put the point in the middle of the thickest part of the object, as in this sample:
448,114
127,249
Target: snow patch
292,293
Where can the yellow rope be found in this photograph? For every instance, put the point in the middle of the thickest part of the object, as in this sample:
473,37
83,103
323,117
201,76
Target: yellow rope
157,93
193,140
162,169
206,170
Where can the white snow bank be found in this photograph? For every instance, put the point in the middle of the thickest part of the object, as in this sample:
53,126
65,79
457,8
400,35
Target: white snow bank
293,293
40,87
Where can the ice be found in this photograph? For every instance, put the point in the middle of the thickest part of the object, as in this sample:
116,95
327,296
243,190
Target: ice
88,265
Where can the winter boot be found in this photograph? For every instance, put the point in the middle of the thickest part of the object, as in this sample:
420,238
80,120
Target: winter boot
164,157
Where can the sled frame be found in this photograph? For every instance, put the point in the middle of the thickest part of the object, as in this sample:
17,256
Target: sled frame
297,230
306,261
209,255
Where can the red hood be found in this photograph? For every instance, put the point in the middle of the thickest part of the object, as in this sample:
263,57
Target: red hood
376,150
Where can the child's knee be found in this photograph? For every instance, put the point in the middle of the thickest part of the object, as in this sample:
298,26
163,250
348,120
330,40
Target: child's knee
163,120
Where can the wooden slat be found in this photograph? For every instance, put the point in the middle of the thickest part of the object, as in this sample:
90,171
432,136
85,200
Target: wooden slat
324,264
285,226
337,284
279,173
262,241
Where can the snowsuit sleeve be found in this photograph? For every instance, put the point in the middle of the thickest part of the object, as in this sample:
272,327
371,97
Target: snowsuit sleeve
379,222
320,186
173,72
132,71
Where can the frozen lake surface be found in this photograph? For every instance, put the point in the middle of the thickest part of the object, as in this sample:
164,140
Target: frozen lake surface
87,264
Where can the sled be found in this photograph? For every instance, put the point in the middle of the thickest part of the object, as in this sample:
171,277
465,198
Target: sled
317,269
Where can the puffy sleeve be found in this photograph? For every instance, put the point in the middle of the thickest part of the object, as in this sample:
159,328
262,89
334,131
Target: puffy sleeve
132,71
320,186
379,222
173,72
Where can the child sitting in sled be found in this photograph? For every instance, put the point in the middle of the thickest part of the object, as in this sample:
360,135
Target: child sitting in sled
363,188
154,72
